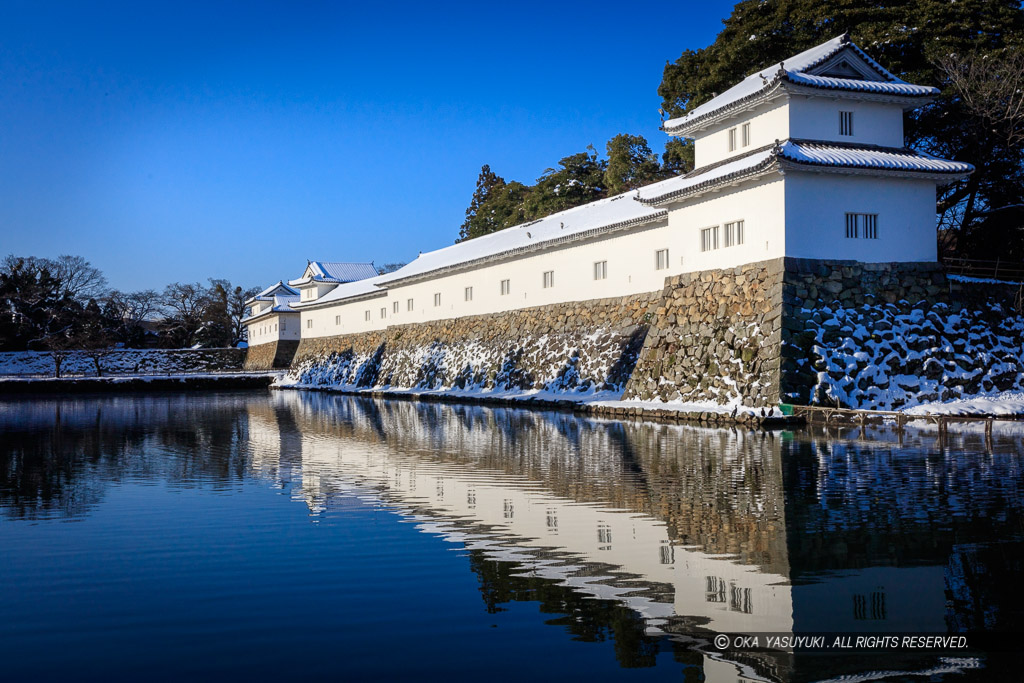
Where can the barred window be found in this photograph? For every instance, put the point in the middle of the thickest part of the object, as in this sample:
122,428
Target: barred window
549,279
469,294
745,130
732,139
862,225
506,287
661,259
709,238
601,270
846,123
733,233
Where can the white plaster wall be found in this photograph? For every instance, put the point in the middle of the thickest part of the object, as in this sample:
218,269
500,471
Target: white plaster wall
761,207
269,329
768,122
817,118
323,322
816,207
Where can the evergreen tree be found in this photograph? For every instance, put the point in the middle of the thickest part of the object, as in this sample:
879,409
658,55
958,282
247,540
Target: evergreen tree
578,180
631,164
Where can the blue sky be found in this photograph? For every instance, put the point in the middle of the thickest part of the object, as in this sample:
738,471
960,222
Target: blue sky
179,141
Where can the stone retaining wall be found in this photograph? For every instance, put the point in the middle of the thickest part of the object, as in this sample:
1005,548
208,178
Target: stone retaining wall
716,337
893,335
272,355
572,347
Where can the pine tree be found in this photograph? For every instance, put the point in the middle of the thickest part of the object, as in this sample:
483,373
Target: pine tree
631,164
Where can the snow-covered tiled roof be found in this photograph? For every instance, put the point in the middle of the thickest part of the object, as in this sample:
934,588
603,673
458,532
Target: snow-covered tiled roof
278,288
797,72
348,290
282,303
803,153
814,153
335,271
617,212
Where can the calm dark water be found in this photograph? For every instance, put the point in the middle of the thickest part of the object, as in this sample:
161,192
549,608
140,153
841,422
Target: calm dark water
289,536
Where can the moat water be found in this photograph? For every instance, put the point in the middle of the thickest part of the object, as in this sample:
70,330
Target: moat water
308,536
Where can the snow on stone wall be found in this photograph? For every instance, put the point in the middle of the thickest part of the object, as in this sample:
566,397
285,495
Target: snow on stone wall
891,356
122,361
577,347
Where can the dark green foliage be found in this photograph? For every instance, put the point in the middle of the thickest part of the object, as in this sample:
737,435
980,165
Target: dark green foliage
631,164
579,179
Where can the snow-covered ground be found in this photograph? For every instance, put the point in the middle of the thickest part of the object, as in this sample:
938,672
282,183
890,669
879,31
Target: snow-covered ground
1008,403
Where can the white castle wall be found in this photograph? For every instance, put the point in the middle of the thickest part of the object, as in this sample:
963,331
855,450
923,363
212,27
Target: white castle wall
815,210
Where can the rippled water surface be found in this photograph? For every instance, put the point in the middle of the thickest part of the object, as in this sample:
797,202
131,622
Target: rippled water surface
290,536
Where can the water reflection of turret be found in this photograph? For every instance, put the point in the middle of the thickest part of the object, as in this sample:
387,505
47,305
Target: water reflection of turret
580,504
712,529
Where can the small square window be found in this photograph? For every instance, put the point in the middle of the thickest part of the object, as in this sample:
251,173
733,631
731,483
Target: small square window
661,259
506,287
549,279
601,270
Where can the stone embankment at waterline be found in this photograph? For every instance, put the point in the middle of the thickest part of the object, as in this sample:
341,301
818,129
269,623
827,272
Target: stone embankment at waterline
713,346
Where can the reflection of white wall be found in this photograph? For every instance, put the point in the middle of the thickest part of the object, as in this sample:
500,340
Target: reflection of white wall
635,543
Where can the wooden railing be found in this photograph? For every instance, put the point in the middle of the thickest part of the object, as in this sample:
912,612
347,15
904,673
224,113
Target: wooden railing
1008,271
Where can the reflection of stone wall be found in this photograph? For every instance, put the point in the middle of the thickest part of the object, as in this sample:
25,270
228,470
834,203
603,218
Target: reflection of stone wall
566,347
277,354
716,337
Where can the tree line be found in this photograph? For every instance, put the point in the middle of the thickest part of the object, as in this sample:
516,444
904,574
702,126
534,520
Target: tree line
65,303
973,50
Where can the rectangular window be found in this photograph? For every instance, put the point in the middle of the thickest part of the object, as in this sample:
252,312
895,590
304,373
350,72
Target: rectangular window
709,238
367,315
383,312
469,294
745,134
408,304
309,324
549,279
394,307
601,270
284,325
437,299
863,225
337,320
732,139
661,259
733,233
846,123
506,287
275,327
